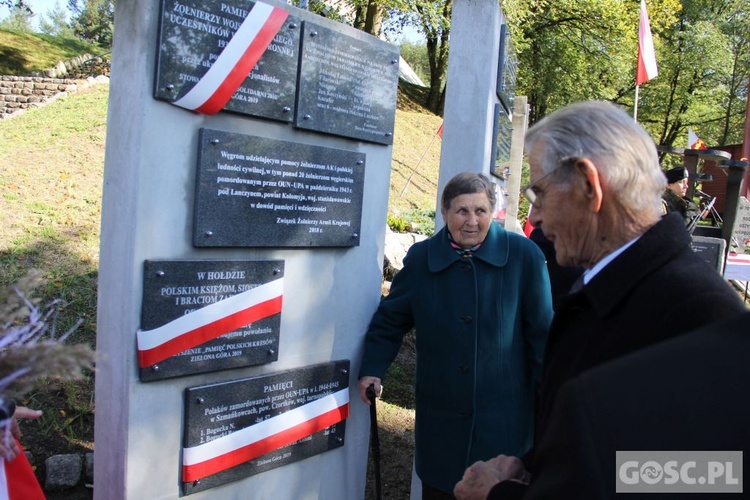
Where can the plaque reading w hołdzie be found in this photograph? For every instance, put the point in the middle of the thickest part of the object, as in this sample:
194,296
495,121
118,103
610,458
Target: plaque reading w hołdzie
348,84
257,192
244,427
208,315
193,35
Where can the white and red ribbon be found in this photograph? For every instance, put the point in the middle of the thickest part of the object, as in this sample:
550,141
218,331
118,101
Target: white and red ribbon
261,438
737,267
239,57
209,322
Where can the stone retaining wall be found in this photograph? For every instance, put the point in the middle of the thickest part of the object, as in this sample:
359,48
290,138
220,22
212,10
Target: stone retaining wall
18,93
22,92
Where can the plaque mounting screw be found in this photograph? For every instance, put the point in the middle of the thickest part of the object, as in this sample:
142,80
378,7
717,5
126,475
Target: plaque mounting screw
209,233
388,134
276,272
344,371
313,33
340,439
196,482
355,235
292,26
271,352
286,109
170,87
394,61
360,162
160,273
155,368
306,117
200,400
214,141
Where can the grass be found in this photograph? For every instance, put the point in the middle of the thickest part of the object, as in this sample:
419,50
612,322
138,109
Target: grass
51,181
23,53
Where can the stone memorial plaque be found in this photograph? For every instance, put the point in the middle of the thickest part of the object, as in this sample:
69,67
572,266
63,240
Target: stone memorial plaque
208,315
192,36
347,84
244,427
741,230
257,192
507,65
503,134
711,250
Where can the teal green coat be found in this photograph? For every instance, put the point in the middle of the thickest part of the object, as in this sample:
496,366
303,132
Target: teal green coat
481,324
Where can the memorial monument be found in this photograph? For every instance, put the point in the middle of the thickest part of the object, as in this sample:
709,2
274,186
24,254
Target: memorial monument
243,224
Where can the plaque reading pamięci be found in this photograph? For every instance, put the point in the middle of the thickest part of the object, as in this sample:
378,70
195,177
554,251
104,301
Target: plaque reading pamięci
347,84
192,36
208,315
257,192
244,427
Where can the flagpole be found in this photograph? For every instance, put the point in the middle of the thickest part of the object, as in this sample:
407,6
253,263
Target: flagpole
635,108
414,170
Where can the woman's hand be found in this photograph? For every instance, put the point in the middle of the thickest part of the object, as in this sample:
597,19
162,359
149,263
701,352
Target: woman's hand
8,446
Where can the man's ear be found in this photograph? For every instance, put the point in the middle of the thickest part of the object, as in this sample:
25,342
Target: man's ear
592,183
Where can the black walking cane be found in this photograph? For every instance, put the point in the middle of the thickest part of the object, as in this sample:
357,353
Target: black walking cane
374,441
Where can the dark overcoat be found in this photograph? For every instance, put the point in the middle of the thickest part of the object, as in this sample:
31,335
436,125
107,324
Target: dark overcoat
481,323
657,289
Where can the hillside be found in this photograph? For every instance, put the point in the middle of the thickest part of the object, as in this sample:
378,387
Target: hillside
24,53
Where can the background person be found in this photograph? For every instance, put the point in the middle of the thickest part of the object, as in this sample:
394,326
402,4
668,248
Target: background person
479,298
596,194
674,199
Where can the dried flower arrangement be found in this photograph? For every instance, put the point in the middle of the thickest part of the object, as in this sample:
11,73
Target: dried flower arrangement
30,348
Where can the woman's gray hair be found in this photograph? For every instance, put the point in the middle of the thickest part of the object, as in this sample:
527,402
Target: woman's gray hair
622,150
467,183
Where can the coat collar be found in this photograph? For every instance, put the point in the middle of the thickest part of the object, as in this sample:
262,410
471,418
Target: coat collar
494,249
660,244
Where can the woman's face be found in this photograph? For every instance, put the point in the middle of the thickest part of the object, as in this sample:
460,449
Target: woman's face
468,219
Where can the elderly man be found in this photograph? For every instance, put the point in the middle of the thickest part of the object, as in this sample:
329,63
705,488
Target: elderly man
596,189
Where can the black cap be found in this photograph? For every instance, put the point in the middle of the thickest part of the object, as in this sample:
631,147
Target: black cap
676,174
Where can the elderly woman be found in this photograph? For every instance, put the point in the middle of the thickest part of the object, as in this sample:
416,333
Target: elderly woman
479,298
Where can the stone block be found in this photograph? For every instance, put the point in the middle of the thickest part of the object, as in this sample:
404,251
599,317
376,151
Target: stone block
63,471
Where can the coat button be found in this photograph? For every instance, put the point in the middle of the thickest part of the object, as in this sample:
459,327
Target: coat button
466,319
465,266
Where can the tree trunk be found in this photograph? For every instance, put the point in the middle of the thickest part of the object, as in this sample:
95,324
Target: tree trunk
369,17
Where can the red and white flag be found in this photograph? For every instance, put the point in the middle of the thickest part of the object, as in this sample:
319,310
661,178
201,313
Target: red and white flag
646,55
695,142
266,436
210,322
236,61
17,479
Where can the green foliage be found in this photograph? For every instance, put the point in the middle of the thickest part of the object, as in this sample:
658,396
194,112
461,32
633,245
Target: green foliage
18,20
93,20
322,9
23,53
573,50
397,224
56,23
416,220
416,56
433,18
